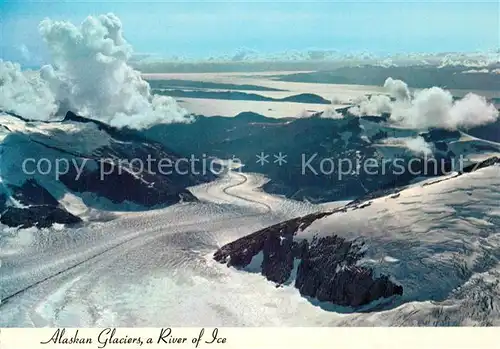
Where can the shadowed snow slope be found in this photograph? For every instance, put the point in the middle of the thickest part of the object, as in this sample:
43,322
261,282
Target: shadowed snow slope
327,159
147,268
86,159
438,240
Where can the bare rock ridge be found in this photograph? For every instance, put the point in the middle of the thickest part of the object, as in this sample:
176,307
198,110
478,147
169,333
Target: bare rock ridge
326,267
37,208
34,200
310,142
144,187
322,268
275,242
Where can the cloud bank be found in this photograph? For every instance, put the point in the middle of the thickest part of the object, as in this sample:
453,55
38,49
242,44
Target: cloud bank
89,75
330,113
416,145
434,107
428,108
374,105
397,89
25,94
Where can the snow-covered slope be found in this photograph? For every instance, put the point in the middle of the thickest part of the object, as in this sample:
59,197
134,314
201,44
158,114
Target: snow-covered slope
145,268
84,164
438,240
370,145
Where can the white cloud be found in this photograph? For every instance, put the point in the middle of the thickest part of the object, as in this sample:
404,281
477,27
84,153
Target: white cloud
90,75
416,145
24,94
434,107
375,106
397,89
341,99
476,71
330,113
472,110
428,108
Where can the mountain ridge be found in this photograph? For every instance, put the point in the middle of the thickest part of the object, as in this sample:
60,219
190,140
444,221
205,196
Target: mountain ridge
322,267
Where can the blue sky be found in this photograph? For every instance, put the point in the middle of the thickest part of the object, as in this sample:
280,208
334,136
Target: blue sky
198,29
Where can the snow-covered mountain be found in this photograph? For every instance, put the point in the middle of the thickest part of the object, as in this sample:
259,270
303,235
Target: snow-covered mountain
431,250
401,241
351,140
347,204
49,171
73,154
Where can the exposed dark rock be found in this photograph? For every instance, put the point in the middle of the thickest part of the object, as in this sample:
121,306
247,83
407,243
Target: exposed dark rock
255,118
490,132
38,216
160,177
121,184
326,269
440,135
242,96
328,272
327,266
308,144
3,201
124,180
31,193
441,146
482,164
40,208
239,253
278,258
306,98
190,84
416,76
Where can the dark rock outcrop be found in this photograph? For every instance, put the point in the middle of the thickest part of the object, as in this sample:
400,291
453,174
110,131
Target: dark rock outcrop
317,149
416,76
239,253
482,164
129,168
31,193
37,216
328,272
39,208
491,131
440,135
125,182
326,269
323,268
128,175
242,96
191,84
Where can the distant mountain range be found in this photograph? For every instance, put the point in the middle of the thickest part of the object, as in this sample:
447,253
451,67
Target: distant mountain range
351,138
34,198
241,96
421,76
340,265
84,144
